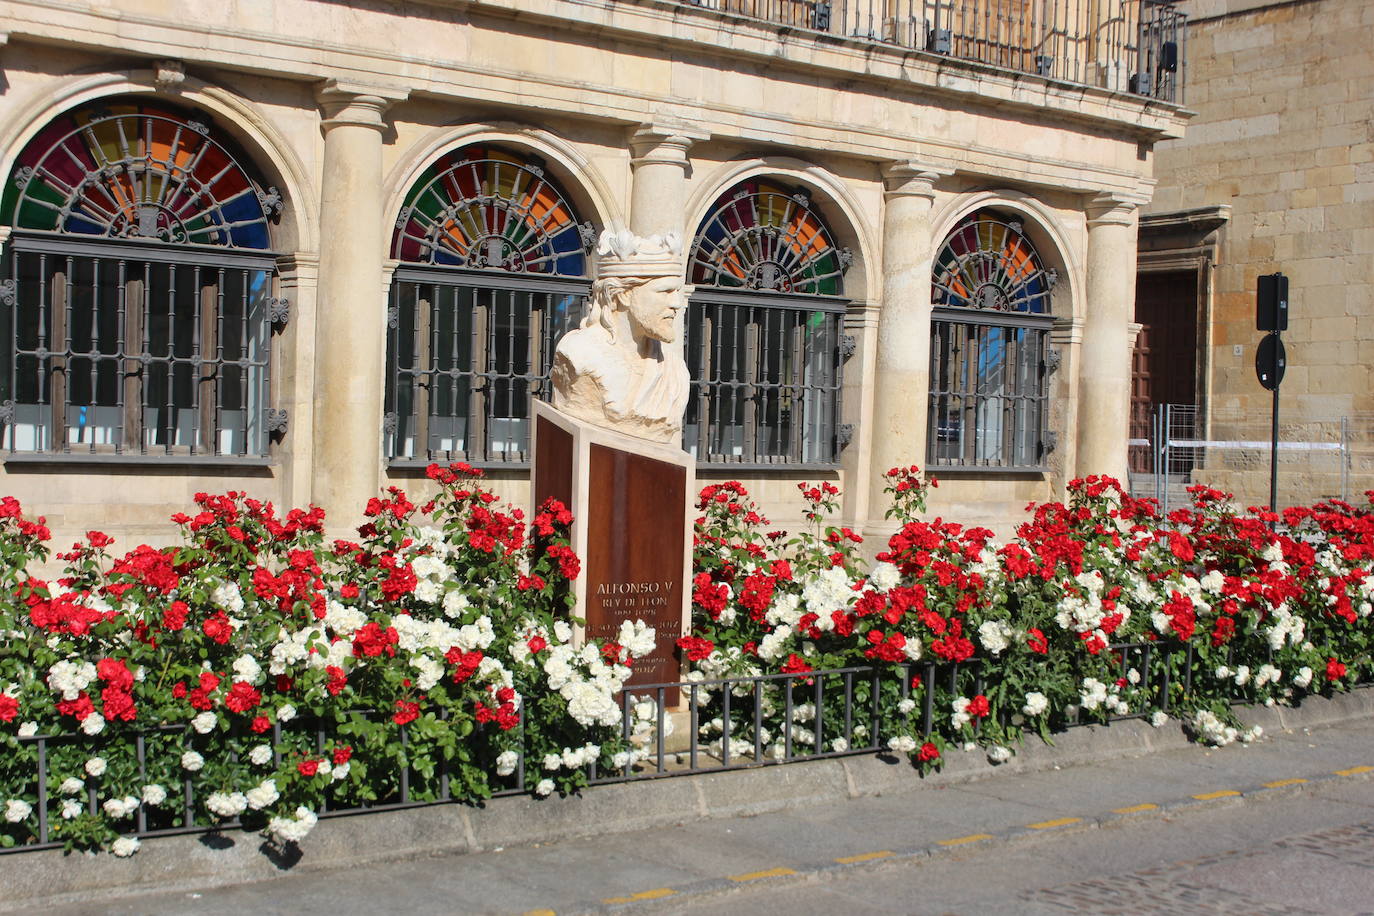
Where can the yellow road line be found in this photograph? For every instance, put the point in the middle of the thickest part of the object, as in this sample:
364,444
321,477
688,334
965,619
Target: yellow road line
539,913
1280,783
1355,770
657,893
756,875
972,838
1057,822
864,857
1136,809
1223,793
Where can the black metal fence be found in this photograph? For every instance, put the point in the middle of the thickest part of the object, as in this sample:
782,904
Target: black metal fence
851,708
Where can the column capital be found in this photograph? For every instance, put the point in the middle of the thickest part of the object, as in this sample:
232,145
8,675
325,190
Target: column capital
298,265
1113,209
663,142
909,178
346,102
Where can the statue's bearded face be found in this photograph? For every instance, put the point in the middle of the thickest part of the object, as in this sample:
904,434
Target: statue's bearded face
653,307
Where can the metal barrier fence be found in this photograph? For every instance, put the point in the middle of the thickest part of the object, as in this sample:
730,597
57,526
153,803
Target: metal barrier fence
1319,456
1125,45
843,706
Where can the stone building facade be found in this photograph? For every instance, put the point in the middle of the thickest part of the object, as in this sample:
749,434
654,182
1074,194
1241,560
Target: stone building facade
302,248
1276,173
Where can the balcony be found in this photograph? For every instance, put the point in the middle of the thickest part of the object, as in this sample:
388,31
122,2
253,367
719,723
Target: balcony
1129,46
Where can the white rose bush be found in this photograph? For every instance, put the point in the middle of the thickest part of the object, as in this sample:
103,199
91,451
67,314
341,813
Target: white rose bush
256,676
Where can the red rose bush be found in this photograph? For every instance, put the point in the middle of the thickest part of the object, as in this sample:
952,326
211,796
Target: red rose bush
272,674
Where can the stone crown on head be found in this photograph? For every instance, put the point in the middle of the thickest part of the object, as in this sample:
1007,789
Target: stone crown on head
621,253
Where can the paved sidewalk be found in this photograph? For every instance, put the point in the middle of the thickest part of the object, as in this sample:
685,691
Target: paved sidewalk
718,864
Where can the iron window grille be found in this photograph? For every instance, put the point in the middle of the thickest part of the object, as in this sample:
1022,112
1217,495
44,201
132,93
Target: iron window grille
990,357
493,274
138,305
764,333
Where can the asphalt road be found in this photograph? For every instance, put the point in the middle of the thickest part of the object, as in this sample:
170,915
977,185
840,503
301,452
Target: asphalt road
1283,826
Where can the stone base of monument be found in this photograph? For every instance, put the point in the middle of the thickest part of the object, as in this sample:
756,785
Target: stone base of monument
632,528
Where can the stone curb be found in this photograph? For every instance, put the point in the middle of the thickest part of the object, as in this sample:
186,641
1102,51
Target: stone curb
215,860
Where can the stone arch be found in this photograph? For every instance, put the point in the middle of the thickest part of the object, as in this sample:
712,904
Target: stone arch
1041,225
582,183
841,210
265,146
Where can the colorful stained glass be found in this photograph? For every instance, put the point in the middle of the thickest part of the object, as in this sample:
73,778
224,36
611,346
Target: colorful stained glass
487,208
140,170
988,263
761,236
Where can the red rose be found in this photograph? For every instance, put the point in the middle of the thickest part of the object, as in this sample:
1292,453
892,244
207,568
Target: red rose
405,712
174,618
260,724
1037,642
9,708
978,707
342,754
537,644
242,697
338,680
115,673
78,709
348,591
928,752
118,705
308,767
218,628
1334,670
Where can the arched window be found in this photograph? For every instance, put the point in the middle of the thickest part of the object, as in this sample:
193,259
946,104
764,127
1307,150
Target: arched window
494,267
765,342
138,298
989,352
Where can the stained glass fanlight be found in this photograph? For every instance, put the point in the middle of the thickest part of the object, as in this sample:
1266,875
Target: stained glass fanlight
484,207
988,263
761,236
140,171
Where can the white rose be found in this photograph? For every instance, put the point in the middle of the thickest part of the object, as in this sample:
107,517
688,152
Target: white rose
204,722
545,787
286,713
154,794
506,762
192,761
71,786
260,755
17,810
125,846
95,766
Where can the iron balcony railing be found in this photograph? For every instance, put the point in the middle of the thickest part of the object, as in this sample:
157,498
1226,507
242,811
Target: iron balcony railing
1131,46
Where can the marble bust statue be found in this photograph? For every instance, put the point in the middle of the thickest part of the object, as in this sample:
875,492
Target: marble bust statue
619,369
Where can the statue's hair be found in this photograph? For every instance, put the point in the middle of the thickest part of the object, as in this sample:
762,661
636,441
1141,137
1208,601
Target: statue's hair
606,298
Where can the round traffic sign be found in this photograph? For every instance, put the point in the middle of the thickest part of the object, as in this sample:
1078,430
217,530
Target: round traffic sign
1270,361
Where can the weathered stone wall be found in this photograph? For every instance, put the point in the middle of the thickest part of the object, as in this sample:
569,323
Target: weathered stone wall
1284,134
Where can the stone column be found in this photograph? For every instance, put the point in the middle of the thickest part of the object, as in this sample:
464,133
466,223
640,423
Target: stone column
659,166
1104,384
658,189
350,339
902,365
